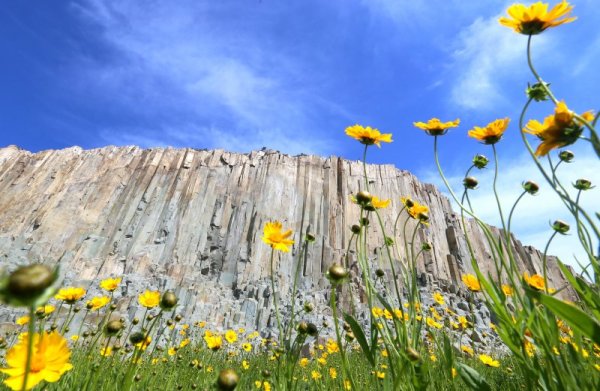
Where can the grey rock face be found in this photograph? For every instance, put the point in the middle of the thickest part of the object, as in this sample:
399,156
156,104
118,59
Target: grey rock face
191,220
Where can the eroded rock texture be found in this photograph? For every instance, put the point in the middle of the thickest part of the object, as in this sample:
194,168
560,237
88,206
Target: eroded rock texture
192,220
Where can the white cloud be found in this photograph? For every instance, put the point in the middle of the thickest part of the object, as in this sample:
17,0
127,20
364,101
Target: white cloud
202,72
533,214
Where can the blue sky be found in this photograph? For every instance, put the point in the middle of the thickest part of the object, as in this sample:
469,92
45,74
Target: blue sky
289,75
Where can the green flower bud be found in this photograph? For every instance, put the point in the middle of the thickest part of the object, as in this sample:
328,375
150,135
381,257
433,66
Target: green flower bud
364,221
29,286
379,273
310,237
480,161
137,337
582,184
113,327
389,241
168,300
363,197
561,227
312,330
426,246
228,380
566,156
537,92
355,229
531,187
302,327
337,273
308,307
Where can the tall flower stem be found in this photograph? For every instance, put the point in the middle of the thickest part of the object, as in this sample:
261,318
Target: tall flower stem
365,168
333,304
276,305
544,261
31,331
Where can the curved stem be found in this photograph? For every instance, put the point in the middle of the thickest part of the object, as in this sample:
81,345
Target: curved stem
275,299
544,261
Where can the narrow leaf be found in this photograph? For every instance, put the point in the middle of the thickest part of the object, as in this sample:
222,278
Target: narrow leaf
360,336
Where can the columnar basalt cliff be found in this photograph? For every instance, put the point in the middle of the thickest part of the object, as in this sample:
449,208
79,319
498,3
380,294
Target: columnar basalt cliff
191,220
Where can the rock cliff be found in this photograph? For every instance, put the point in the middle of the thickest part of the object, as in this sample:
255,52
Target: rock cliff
192,220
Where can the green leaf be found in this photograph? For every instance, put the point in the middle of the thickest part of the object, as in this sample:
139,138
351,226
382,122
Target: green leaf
472,378
360,337
578,319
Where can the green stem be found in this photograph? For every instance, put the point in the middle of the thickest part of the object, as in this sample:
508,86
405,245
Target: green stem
281,336
544,261
30,335
333,304
365,167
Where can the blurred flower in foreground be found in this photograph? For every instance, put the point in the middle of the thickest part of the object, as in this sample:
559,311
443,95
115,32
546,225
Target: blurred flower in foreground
368,135
488,361
274,237
536,18
50,359
434,127
491,133
536,281
471,282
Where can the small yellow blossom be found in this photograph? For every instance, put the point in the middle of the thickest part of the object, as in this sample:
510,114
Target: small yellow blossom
149,299
472,282
110,284
231,336
438,298
536,18
435,127
489,361
70,294
368,135
274,237
491,133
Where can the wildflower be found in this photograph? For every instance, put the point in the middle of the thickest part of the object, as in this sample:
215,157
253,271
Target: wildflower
332,346
480,161
470,183
467,349
432,323
507,289
418,212
379,203
70,294
566,156
438,298
247,347
332,373
50,359
110,284
529,347
434,127
171,351
492,133
144,343
29,286
273,236
531,187
149,299
537,91
98,302
231,336
258,384
303,362
489,361
536,281
464,323
106,351
245,365
380,375
22,321
557,130
227,380
377,312
433,357
536,18
45,310
184,343
348,385
454,373
315,375
213,342
267,386
368,135
471,282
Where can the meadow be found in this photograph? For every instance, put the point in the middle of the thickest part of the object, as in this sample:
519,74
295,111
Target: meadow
65,339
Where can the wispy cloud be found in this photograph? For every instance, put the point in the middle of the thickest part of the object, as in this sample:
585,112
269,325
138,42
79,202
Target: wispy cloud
533,214
199,77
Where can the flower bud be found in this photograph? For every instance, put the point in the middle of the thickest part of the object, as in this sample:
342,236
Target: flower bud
566,156
364,221
29,286
423,217
265,373
480,161
408,202
113,327
113,307
346,327
310,237
560,226
531,187
168,300
137,337
135,321
337,272
379,273
583,184
426,246
355,229
308,307
537,92
363,197
178,318
369,208
349,336
303,327
413,355
312,330
228,379
170,322
470,182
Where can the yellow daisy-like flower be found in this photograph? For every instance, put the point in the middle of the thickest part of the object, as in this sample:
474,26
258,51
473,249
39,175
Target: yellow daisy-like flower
184,343
536,18
22,321
247,347
274,237
332,346
144,344
49,361
507,289
491,133
332,373
467,349
557,130
106,351
213,342
489,361
110,284
434,127
45,310
432,323
419,212
438,298
70,294
303,362
471,282
379,203
536,281
149,299
231,336
97,302
368,135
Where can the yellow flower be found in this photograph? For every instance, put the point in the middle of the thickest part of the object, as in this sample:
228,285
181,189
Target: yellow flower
258,384
303,362
332,346
492,133
380,375
471,282
379,203
245,364
434,127
171,351
348,385
377,312
417,211
70,294
488,361
529,347
438,298
433,358
230,336
507,289
247,347
536,18
110,284
368,135
49,361
267,386
273,236
46,309
213,342
332,373
144,344
558,130
106,351
97,302
315,375
184,343
432,323
201,324
149,299
22,321
536,281
467,349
